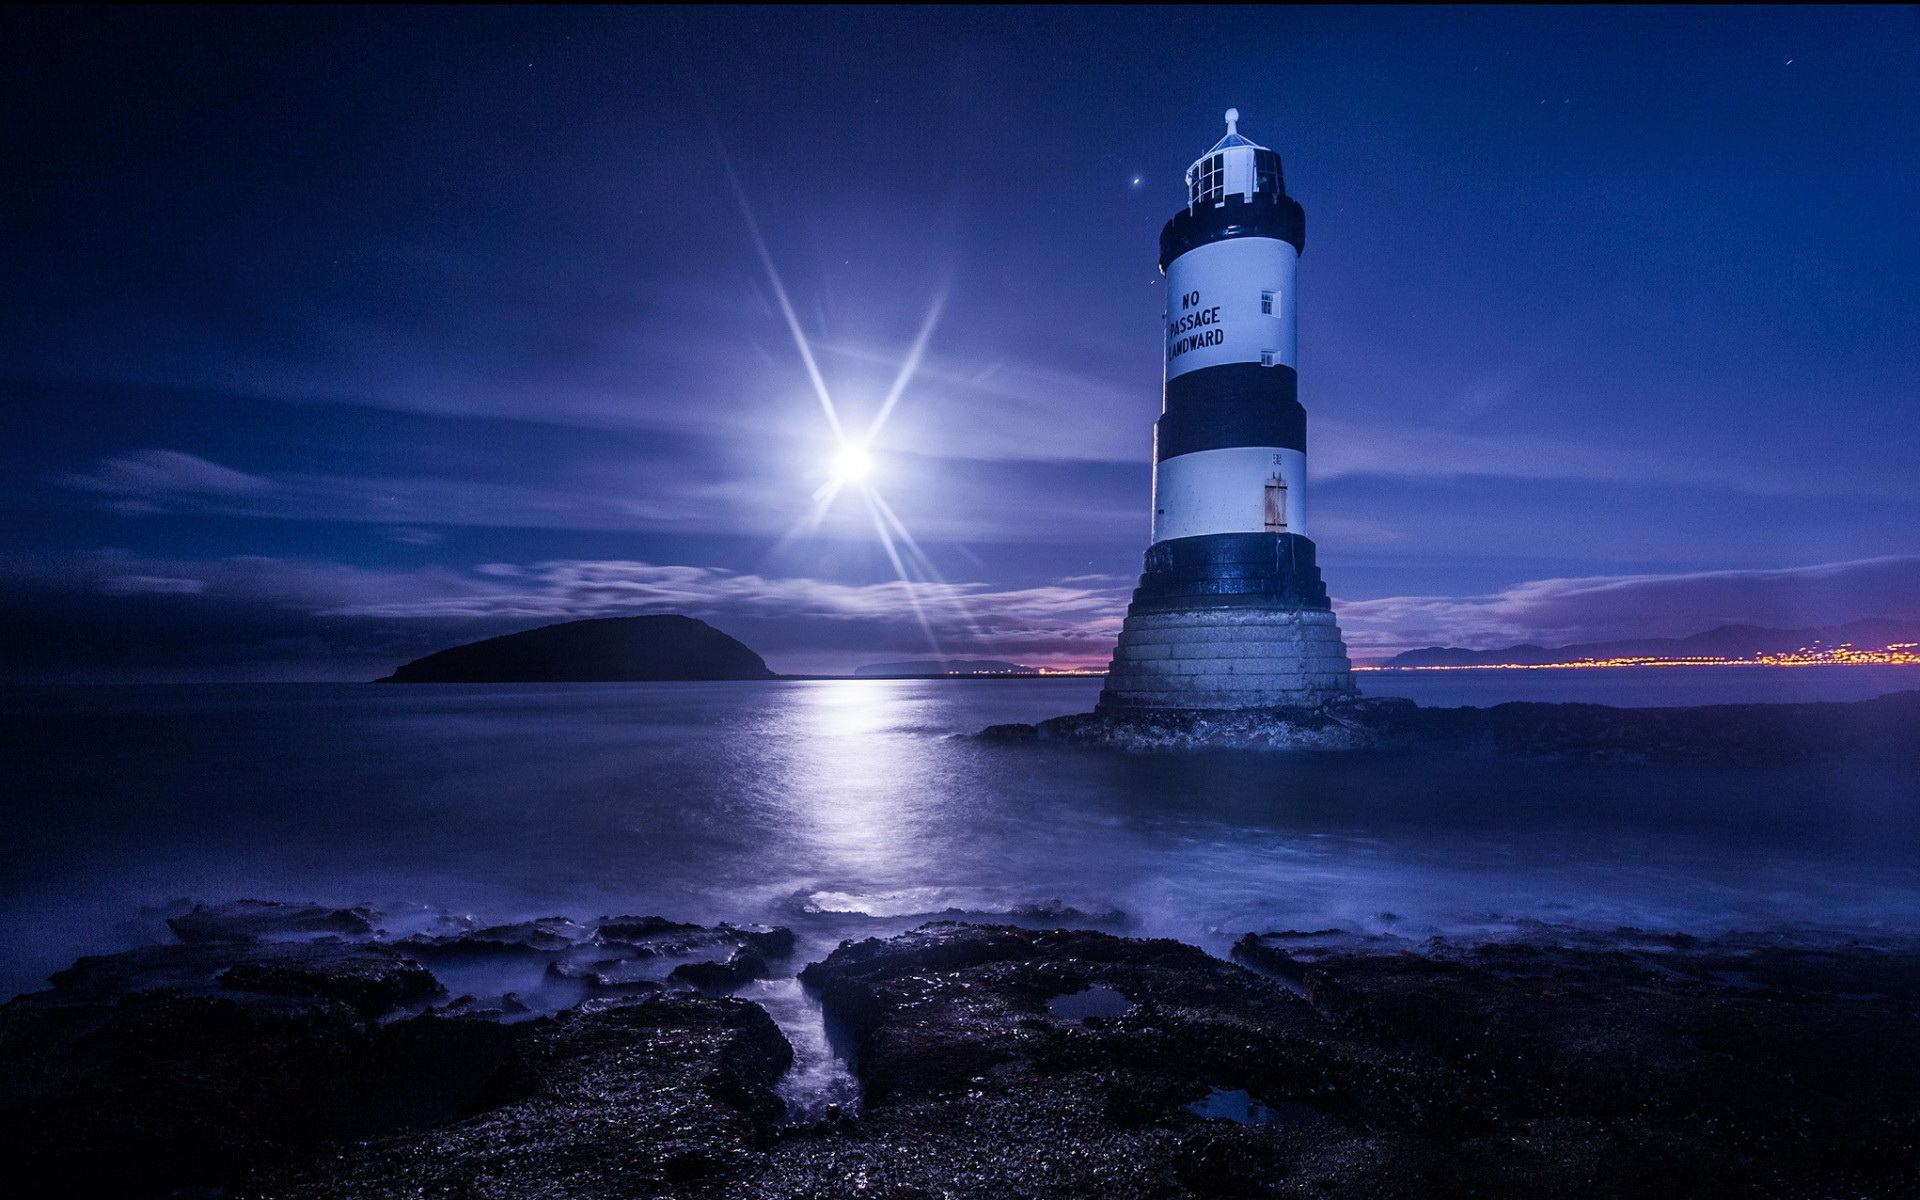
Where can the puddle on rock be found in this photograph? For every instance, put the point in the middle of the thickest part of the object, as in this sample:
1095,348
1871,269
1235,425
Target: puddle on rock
1238,1106
1089,1002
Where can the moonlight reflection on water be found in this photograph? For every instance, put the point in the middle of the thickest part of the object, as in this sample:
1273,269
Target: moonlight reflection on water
849,808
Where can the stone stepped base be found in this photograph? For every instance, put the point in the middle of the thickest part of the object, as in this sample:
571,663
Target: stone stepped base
1228,658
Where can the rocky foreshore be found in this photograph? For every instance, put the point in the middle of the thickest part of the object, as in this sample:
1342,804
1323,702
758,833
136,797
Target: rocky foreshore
1884,729
294,1051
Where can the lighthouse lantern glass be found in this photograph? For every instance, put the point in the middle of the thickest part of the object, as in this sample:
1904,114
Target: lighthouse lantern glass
1208,180
1235,167
1266,166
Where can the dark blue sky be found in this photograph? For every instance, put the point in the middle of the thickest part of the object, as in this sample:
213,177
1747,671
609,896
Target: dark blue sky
332,337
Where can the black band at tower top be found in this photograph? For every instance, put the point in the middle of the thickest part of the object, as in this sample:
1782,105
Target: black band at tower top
1260,215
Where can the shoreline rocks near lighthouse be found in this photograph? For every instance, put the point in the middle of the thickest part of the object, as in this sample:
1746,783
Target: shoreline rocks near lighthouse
288,1052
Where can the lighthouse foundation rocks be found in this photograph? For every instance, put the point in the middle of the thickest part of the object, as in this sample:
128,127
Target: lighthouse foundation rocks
1225,659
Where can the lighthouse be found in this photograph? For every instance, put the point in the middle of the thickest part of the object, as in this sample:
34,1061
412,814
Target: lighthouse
1231,612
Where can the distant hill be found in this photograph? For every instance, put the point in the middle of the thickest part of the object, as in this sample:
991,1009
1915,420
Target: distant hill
600,650
951,666
1727,641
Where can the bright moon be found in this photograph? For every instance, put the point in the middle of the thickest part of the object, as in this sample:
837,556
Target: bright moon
851,465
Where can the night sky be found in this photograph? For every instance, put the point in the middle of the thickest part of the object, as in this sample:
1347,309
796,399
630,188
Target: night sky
332,337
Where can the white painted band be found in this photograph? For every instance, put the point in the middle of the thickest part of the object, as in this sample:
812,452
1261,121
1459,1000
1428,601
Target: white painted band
1243,489
1215,295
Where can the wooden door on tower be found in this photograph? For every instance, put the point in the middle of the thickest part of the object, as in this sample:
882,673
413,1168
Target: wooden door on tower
1276,504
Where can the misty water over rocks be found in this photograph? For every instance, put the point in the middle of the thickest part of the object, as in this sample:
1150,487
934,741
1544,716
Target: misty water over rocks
853,808
469,849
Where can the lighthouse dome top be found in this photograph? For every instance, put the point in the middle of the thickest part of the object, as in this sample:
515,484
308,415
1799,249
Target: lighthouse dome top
1236,166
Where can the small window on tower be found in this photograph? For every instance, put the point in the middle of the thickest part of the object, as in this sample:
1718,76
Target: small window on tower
1266,303
1267,357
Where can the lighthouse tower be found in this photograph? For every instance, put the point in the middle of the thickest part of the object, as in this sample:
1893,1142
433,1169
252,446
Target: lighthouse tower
1230,612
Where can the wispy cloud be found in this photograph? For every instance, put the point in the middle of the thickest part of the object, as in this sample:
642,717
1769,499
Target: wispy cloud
156,473
810,624
1058,620
803,623
152,585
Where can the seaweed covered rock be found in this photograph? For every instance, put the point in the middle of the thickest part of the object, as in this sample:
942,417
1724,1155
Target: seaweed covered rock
637,1100
189,1065
972,1051
1550,1063
994,1061
273,1032
1886,730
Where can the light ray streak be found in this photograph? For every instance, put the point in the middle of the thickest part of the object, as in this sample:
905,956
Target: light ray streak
885,521
823,499
955,600
786,305
900,569
906,539
909,367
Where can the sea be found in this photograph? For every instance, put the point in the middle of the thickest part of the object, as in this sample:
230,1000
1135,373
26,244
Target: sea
862,807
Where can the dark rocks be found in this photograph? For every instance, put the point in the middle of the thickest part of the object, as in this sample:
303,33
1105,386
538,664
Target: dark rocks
1552,1062
542,935
370,979
1288,954
740,969
617,955
647,937
641,929
190,1065
672,1095
951,1032
367,980
269,921
1343,725
1886,729
266,1036
994,1061
1675,1065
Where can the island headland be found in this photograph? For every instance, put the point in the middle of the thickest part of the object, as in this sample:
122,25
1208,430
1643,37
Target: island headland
597,650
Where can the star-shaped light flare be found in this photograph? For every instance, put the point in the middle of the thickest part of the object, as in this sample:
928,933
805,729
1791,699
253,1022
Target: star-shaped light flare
852,466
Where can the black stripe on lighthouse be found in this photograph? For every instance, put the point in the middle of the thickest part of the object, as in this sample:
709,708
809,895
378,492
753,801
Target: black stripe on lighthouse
1233,404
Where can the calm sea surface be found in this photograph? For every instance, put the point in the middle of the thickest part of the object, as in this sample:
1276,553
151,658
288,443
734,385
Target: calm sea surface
848,808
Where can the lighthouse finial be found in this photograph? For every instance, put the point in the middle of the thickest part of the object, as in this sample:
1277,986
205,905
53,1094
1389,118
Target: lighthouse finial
1233,118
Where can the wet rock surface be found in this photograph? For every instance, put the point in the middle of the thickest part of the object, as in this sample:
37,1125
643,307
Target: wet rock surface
672,1094
271,1031
994,1061
179,1066
1655,1064
1884,729
1550,1062
269,921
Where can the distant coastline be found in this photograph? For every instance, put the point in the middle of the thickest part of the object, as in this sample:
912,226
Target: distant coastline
1872,642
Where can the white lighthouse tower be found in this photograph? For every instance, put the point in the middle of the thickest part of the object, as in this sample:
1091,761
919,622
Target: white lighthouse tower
1230,612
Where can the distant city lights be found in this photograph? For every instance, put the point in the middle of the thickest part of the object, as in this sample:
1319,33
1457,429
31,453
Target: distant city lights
1899,654
1902,654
